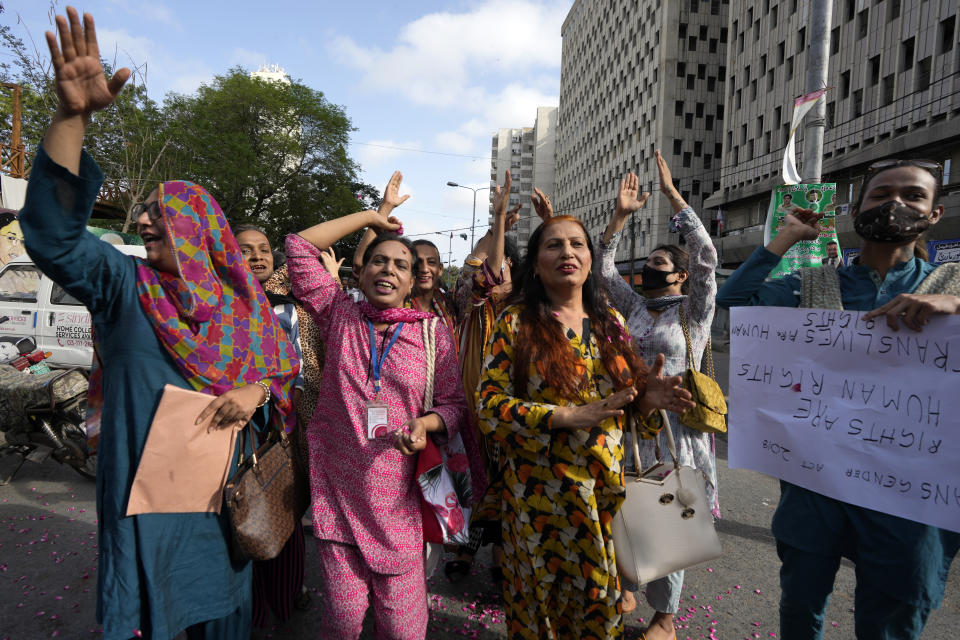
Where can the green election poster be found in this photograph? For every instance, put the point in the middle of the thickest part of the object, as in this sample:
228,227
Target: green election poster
787,199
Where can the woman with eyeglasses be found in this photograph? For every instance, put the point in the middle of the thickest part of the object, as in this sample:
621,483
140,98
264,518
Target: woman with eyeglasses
901,564
192,316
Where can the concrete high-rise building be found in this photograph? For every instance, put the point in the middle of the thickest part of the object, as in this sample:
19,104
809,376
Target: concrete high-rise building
894,69
529,155
636,76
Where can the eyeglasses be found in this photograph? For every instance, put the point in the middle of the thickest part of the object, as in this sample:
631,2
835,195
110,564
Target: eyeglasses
933,167
154,212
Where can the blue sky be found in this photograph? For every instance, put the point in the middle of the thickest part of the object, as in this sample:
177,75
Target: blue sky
433,76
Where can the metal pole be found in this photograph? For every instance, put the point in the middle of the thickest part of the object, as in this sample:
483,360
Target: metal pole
473,224
818,59
633,248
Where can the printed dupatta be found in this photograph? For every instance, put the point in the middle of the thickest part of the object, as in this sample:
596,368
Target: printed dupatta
214,320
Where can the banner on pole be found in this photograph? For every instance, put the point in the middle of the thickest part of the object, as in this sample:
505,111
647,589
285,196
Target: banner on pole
801,106
849,409
794,198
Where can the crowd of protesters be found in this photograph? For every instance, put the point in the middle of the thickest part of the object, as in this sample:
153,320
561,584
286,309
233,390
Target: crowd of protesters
536,362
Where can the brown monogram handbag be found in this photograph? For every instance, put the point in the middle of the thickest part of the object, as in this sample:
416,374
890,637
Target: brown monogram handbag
266,497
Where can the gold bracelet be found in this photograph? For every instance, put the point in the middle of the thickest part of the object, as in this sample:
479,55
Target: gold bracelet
266,392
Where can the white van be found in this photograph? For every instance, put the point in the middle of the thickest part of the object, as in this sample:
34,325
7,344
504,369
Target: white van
40,309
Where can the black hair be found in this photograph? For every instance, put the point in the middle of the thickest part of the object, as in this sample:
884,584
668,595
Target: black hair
510,250
387,236
425,243
240,228
680,259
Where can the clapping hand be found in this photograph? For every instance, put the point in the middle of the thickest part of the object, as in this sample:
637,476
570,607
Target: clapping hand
541,204
627,197
587,416
665,392
79,79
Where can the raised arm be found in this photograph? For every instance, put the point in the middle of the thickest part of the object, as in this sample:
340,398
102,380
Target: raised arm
747,286
325,234
391,200
81,87
622,295
701,302
501,196
64,181
541,204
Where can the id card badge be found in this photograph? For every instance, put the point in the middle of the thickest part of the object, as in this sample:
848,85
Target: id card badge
377,414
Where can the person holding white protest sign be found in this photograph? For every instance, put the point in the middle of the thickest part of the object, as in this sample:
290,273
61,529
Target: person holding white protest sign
901,564
679,286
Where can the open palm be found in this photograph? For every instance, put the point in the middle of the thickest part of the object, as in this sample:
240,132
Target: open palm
80,81
629,198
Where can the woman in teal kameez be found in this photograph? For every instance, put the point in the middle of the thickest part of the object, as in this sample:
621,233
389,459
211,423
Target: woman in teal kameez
191,316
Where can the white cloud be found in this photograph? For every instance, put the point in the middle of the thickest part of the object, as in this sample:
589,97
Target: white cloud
436,57
374,155
148,12
489,67
162,70
248,59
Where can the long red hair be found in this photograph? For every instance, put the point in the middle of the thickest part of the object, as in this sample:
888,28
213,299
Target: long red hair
541,337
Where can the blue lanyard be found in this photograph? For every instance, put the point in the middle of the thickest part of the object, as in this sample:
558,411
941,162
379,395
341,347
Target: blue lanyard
376,364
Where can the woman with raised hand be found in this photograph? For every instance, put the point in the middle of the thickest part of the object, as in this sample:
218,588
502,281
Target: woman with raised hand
559,373
485,283
902,565
679,287
182,317
366,499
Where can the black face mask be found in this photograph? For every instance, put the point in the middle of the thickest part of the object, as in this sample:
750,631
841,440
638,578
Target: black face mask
890,222
654,279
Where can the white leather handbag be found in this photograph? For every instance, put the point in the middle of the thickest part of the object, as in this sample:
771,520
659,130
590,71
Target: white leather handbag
664,524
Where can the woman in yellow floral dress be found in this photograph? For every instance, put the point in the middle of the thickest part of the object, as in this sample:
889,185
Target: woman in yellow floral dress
555,400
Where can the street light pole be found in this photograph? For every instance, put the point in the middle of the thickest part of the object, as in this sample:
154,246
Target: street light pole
473,223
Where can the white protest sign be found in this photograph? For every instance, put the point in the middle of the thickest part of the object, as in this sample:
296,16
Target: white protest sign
849,409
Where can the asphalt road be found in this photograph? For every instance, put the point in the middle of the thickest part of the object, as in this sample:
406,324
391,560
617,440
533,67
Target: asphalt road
48,558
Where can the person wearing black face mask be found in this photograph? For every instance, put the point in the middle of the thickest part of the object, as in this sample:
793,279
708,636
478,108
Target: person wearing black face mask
901,564
674,282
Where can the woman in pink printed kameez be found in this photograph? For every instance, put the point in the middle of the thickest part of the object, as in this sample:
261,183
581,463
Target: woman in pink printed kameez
366,500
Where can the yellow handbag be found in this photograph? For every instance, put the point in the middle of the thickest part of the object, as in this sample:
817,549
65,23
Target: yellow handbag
710,414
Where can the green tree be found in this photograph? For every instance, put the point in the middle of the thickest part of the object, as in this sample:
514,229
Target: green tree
272,153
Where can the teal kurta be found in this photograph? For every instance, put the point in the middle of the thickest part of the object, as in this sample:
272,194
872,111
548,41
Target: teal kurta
906,560
158,573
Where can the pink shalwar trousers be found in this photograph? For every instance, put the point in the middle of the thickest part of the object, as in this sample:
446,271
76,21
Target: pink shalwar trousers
399,602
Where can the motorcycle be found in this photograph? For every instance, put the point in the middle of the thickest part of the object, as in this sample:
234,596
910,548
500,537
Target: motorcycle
42,412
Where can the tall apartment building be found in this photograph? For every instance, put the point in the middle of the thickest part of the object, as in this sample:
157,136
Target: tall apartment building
636,76
529,155
894,69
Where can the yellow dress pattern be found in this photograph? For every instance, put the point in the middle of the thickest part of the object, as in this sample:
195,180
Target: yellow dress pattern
561,490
